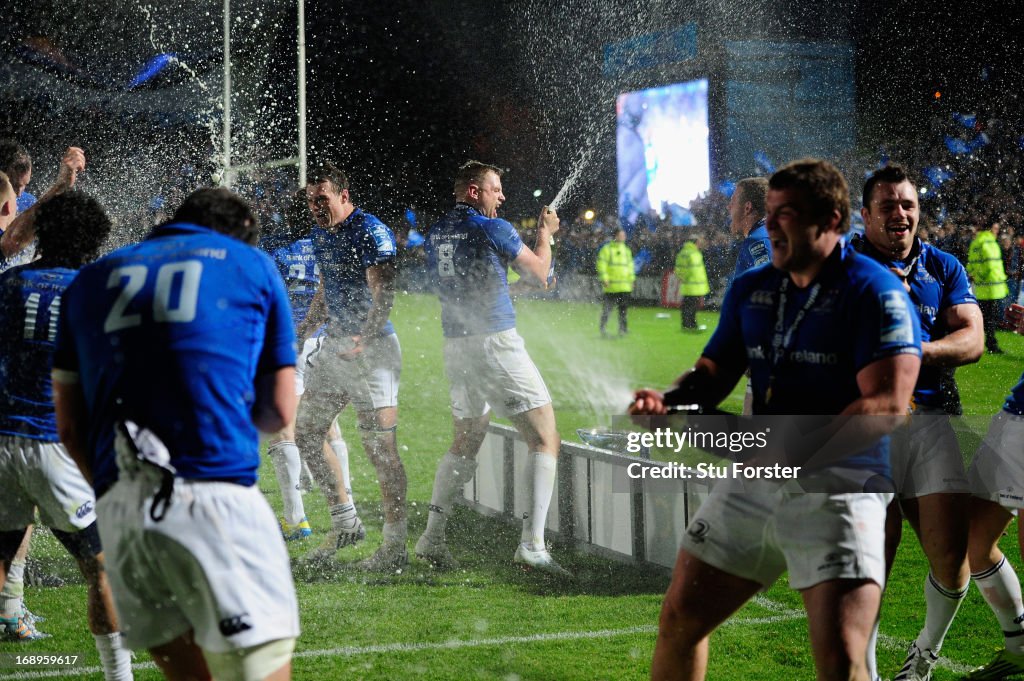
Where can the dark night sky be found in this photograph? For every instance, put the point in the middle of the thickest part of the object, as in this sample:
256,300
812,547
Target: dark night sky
401,92
520,83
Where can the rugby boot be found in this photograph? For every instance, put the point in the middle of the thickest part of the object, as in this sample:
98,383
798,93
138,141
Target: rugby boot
436,554
540,559
1003,665
917,666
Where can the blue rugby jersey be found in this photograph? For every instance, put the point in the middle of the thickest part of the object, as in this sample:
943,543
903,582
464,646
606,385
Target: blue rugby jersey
30,301
360,242
468,257
860,315
937,282
171,333
755,250
296,262
26,201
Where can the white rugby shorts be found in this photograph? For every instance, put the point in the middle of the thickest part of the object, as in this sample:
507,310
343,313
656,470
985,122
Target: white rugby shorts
757,529
997,470
37,473
925,456
492,371
369,381
310,346
215,563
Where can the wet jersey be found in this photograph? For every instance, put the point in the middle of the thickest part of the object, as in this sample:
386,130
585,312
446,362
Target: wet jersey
360,242
172,333
26,201
296,262
468,257
853,314
30,301
937,282
755,250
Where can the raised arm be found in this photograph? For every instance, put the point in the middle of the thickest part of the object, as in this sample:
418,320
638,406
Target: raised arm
536,264
22,230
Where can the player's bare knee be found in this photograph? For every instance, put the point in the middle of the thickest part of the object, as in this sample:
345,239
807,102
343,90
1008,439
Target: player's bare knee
949,564
251,664
678,622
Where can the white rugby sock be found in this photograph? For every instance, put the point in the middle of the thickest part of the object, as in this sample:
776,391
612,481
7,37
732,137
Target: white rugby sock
288,467
14,589
1001,589
452,473
942,604
341,451
115,658
543,468
870,656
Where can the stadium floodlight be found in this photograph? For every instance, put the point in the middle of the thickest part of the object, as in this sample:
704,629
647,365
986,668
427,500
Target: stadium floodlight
588,214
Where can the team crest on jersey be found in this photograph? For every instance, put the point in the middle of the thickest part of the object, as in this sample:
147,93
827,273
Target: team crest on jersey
896,326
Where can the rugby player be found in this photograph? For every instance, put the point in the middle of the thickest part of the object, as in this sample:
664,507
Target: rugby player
995,477
746,219
292,250
36,469
468,253
359,362
927,466
746,215
819,300
171,354
16,244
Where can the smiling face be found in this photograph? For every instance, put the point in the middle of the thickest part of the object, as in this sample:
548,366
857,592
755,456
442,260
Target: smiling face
891,217
800,243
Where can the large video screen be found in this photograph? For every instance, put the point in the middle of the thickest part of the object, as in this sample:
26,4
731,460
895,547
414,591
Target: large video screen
663,148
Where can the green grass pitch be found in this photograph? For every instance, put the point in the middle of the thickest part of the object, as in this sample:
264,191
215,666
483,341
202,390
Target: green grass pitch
491,620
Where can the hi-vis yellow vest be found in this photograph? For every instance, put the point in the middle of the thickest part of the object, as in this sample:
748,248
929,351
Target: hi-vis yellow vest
693,278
